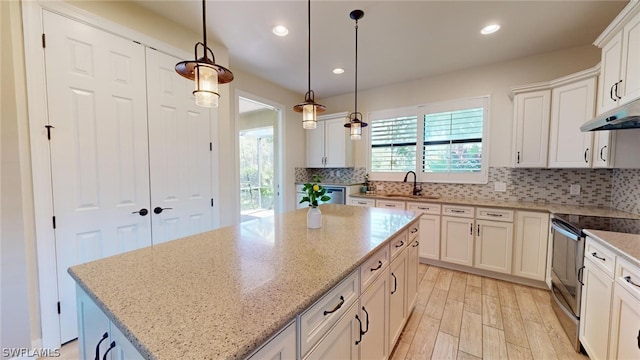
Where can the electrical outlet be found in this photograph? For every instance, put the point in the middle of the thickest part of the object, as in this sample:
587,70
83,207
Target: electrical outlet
574,189
380,187
500,186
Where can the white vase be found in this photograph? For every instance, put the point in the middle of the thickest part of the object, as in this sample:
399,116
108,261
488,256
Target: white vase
314,218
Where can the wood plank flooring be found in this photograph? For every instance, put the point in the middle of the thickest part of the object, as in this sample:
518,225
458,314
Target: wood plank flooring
466,316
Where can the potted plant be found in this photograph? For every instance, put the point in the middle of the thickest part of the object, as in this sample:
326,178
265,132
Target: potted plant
315,192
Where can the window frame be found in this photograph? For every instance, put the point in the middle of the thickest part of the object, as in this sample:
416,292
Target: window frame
420,111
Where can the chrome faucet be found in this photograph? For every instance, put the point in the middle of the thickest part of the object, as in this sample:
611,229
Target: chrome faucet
416,190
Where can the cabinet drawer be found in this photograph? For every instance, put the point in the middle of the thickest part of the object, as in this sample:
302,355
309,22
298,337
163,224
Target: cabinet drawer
459,211
494,214
397,244
363,202
628,276
320,317
425,208
373,267
390,204
604,258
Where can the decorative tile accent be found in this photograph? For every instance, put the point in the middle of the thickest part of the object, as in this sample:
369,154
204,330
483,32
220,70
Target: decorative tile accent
625,192
332,175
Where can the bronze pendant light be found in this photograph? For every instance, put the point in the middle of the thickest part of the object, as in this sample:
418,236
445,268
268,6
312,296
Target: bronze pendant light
204,70
309,108
354,120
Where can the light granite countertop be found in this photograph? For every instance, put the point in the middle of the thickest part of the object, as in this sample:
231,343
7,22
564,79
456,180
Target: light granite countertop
520,205
222,293
625,245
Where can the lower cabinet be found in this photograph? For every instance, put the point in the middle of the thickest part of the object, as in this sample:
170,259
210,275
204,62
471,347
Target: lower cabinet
494,246
413,261
625,325
595,310
281,346
341,342
457,240
530,245
374,314
397,294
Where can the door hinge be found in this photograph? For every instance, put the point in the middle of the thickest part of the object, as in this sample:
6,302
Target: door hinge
211,202
49,127
59,307
210,146
44,41
54,222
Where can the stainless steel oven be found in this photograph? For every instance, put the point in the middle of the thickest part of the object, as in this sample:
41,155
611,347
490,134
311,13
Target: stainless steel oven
566,275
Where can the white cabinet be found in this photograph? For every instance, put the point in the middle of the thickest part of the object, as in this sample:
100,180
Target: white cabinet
531,242
390,204
374,314
531,129
456,245
397,296
624,341
341,342
630,59
329,145
494,245
595,311
413,261
429,229
571,105
281,346
610,74
603,149
362,202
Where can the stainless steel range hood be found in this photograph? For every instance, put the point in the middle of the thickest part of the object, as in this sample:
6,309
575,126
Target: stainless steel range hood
620,118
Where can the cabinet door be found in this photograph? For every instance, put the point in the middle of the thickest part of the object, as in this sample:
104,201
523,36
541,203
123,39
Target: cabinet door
572,105
93,324
397,294
338,148
494,244
340,341
531,114
603,141
315,146
430,237
374,313
610,74
625,325
282,346
457,240
531,241
595,311
630,60
413,261
123,349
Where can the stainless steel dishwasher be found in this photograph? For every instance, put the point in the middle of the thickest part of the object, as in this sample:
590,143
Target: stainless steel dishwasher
337,194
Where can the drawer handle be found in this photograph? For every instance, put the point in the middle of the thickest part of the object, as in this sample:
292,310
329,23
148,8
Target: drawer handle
335,308
628,279
113,345
595,255
360,326
401,244
377,267
414,230
395,283
389,205
416,244
367,322
104,337
423,208
457,211
494,214
362,203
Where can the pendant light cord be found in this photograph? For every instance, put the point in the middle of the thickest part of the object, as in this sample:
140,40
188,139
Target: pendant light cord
356,86
309,43
204,27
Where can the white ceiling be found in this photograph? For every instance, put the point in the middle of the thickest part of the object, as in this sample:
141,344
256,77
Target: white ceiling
397,40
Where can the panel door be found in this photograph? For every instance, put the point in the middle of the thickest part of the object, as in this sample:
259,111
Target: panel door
494,246
315,146
430,237
573,105
531,240
340,341
610,74
457,240
625,325
413,261
179,153
630,60
595,311
99,156
603,142
531,113
397,296
337,144
374,312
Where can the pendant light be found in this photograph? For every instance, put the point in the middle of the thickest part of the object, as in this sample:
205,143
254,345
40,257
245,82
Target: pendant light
204,70
309,108
354,120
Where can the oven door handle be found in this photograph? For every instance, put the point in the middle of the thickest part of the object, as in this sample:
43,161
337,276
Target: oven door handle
564,231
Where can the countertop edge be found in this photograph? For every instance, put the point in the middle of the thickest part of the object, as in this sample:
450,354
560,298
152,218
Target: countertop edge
598,236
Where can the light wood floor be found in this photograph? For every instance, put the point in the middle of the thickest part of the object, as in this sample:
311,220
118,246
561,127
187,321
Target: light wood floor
466,316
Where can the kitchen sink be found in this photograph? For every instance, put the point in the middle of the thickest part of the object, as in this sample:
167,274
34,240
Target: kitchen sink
409,196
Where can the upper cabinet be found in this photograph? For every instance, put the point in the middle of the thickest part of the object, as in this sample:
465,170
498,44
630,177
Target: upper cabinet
329,145
620,44
531,111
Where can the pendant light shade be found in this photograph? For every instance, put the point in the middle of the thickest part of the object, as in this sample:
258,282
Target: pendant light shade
309,108
354,120
204,70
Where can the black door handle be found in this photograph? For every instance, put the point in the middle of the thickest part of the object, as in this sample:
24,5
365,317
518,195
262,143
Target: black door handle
611,92
586,152
104,337
395,283
366,312
159,210
141,212
616,92
638,339
601,150
111,346
360,338
327,312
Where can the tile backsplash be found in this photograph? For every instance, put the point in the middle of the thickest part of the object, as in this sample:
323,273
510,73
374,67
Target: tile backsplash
617,188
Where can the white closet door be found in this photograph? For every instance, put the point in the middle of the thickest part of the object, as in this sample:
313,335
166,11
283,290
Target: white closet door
179,153
99,152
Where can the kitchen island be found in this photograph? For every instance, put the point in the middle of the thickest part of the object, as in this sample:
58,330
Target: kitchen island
223,293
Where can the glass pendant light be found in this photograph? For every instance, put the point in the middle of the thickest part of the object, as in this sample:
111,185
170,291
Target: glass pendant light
354,120
309,108
204,70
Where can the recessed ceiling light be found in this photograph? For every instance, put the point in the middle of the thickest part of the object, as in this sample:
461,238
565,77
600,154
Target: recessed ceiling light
338,71
280,30
490,29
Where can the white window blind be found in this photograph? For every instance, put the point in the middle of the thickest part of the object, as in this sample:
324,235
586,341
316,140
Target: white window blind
452,141
393,144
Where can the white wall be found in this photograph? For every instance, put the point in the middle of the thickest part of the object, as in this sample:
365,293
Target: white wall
495,80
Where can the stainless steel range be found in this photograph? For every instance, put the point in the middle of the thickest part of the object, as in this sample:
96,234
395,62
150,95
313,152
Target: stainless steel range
568,263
